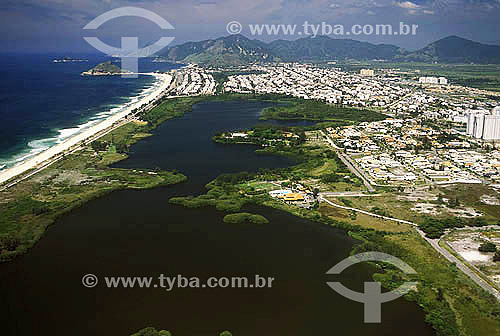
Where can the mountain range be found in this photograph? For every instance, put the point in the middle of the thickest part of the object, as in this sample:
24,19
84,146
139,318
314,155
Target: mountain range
238,50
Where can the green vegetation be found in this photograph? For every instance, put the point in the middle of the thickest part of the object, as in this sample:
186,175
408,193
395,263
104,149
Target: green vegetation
245,217
29,207
105,68
454,304
435,227
487,247
496,257
316,110
168,109
150,331
265,135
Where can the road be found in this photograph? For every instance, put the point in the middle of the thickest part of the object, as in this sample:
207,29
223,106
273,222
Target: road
435,244
464,268
346,194
350,164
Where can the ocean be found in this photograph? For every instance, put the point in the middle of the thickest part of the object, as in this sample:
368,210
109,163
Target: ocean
43,103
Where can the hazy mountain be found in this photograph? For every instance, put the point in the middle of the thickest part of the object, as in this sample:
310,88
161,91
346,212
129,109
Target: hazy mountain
237,49
454,49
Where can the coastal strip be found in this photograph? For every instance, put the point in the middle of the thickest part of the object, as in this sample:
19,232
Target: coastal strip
44,159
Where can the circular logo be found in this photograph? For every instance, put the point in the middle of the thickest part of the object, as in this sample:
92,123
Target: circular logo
234,27
89,280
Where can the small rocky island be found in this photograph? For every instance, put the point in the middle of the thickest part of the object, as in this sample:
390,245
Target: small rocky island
104,69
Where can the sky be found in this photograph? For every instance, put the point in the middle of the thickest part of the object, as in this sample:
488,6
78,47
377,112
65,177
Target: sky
41,26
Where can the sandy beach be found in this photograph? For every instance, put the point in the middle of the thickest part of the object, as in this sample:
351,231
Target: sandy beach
44,157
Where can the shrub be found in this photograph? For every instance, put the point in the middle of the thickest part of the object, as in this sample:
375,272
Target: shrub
496,257
245,217
487,247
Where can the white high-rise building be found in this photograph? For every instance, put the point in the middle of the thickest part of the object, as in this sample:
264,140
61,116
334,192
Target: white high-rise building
483,126
443,81
478,126
491,128
470,123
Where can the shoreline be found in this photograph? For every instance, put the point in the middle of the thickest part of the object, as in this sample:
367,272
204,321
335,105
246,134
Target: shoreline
43,159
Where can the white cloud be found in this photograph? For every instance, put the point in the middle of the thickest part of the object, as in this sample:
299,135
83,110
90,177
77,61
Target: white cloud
406,5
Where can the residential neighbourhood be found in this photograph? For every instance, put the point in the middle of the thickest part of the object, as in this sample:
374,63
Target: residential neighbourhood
193,80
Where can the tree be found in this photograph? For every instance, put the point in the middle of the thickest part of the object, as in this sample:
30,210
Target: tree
440,199
496,257
9,242
121,148
487,247
99,146
453,203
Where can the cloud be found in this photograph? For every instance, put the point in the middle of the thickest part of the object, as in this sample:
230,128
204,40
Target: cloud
406,5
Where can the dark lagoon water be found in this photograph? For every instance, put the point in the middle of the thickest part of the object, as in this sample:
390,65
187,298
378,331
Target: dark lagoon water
138,233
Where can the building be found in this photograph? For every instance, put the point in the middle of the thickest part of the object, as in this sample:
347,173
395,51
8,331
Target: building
483,126
478,126
292,197
470,122
428,80
433,80
491,129
367,72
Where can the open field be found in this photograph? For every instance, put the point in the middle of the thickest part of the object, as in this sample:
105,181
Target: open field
474,196
465,243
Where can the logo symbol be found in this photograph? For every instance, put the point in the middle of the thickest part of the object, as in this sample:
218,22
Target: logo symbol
129,51
373,296
90,280
234,27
